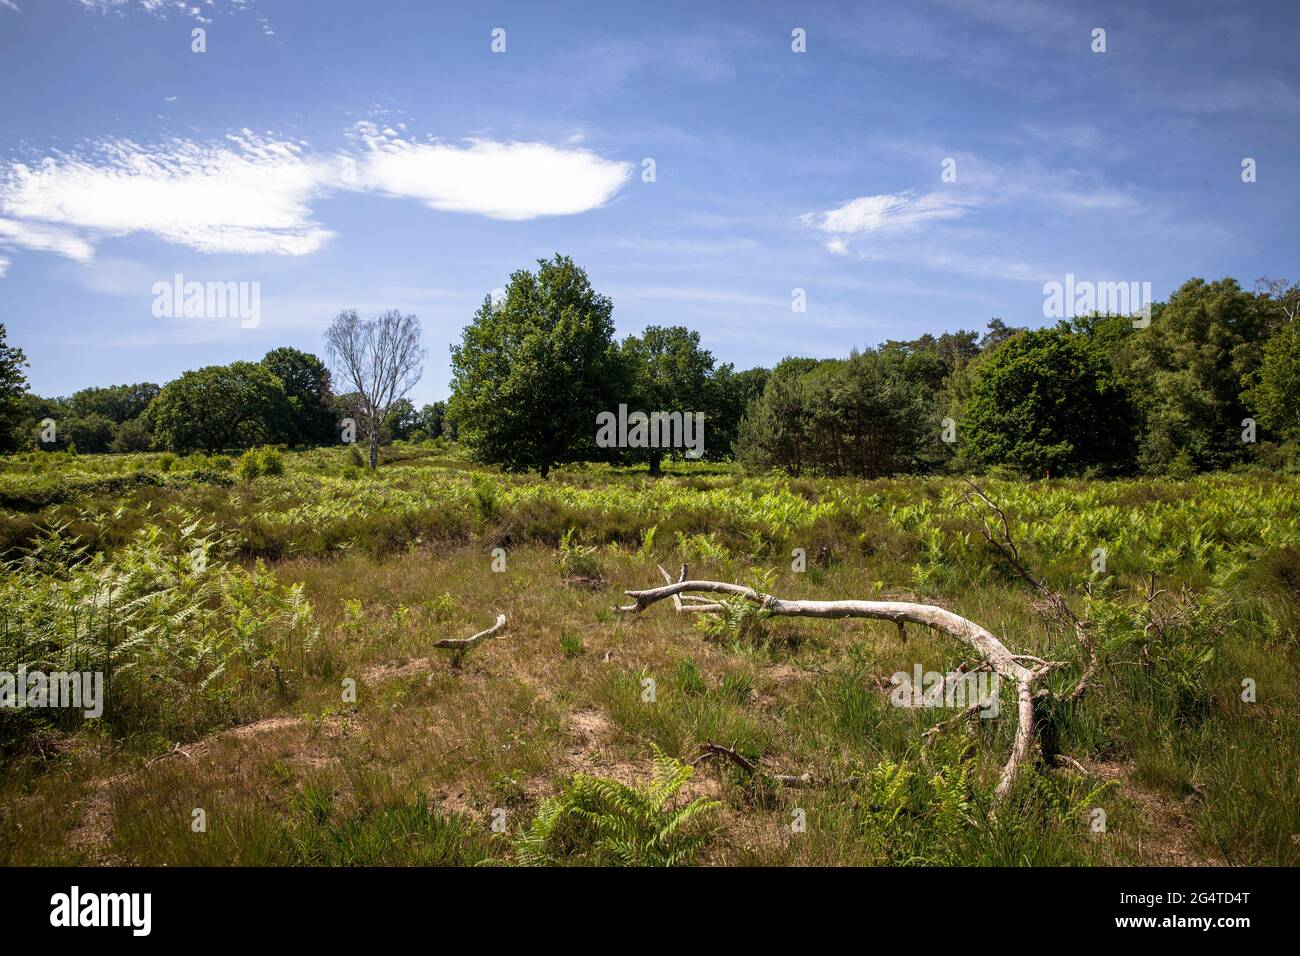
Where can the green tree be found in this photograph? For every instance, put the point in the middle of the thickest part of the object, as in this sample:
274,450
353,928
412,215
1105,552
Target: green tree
117,403
669,372
401,421
533,370
1274,393
13,383
1046,401
90,434
732,393
1189,368
858,416
928,362
775,430
306,383
220,407
132,435
430,422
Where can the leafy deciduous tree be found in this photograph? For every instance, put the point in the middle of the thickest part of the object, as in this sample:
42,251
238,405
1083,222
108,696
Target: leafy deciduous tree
533,370
307,385
219,407
1046,401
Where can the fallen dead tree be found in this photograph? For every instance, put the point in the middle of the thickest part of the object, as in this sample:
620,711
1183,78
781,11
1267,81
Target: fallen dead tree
1053,603
686,597
461,645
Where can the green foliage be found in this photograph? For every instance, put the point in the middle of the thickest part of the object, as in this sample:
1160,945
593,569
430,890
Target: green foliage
1275,388
258,462
131,436
272,462
570,644
432,423
401,421
596,821
731,394
117,403
396,833
219,407
1045,401
91,435
669,372
13,383
1189,367
185,638
740,621
859,416
306,383
533,370
578,562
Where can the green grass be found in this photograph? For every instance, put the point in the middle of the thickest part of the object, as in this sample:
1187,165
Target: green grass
244,666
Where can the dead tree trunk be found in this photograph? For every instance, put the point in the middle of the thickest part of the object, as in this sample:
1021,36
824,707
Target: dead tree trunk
993,651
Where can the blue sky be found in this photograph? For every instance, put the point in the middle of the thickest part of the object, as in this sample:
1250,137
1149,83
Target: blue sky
380,155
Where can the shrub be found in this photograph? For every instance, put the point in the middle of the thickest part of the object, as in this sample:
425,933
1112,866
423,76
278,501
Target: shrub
249,466
578,563
601,822
271,461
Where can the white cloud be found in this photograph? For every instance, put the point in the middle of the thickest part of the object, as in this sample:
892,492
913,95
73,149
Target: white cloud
887,212
8,5
247,195
513,181
160,8
253,194
4,266
31,235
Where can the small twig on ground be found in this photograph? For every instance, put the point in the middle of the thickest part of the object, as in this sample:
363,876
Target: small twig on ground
710,749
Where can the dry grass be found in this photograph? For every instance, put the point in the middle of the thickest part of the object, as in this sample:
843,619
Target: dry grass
517,717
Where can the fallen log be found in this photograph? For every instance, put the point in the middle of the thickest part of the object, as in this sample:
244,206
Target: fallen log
992,651
465,643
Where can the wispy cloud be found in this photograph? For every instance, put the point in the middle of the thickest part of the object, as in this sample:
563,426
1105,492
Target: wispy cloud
38,236
160,8
887,212
250,194
246,195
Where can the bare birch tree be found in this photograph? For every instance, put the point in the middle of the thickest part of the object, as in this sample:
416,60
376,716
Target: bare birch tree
381,358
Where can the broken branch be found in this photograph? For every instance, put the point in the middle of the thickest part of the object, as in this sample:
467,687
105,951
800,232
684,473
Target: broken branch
993,651
463,644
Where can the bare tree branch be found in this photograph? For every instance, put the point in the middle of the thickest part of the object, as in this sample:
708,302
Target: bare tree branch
991,650
380,358
465,643
1056,604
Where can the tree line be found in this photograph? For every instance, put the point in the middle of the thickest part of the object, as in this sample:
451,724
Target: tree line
1211,381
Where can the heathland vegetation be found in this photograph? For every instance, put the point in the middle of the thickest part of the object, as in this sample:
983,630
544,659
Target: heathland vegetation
269,604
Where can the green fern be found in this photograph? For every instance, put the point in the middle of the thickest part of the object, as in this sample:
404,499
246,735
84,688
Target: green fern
601,822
